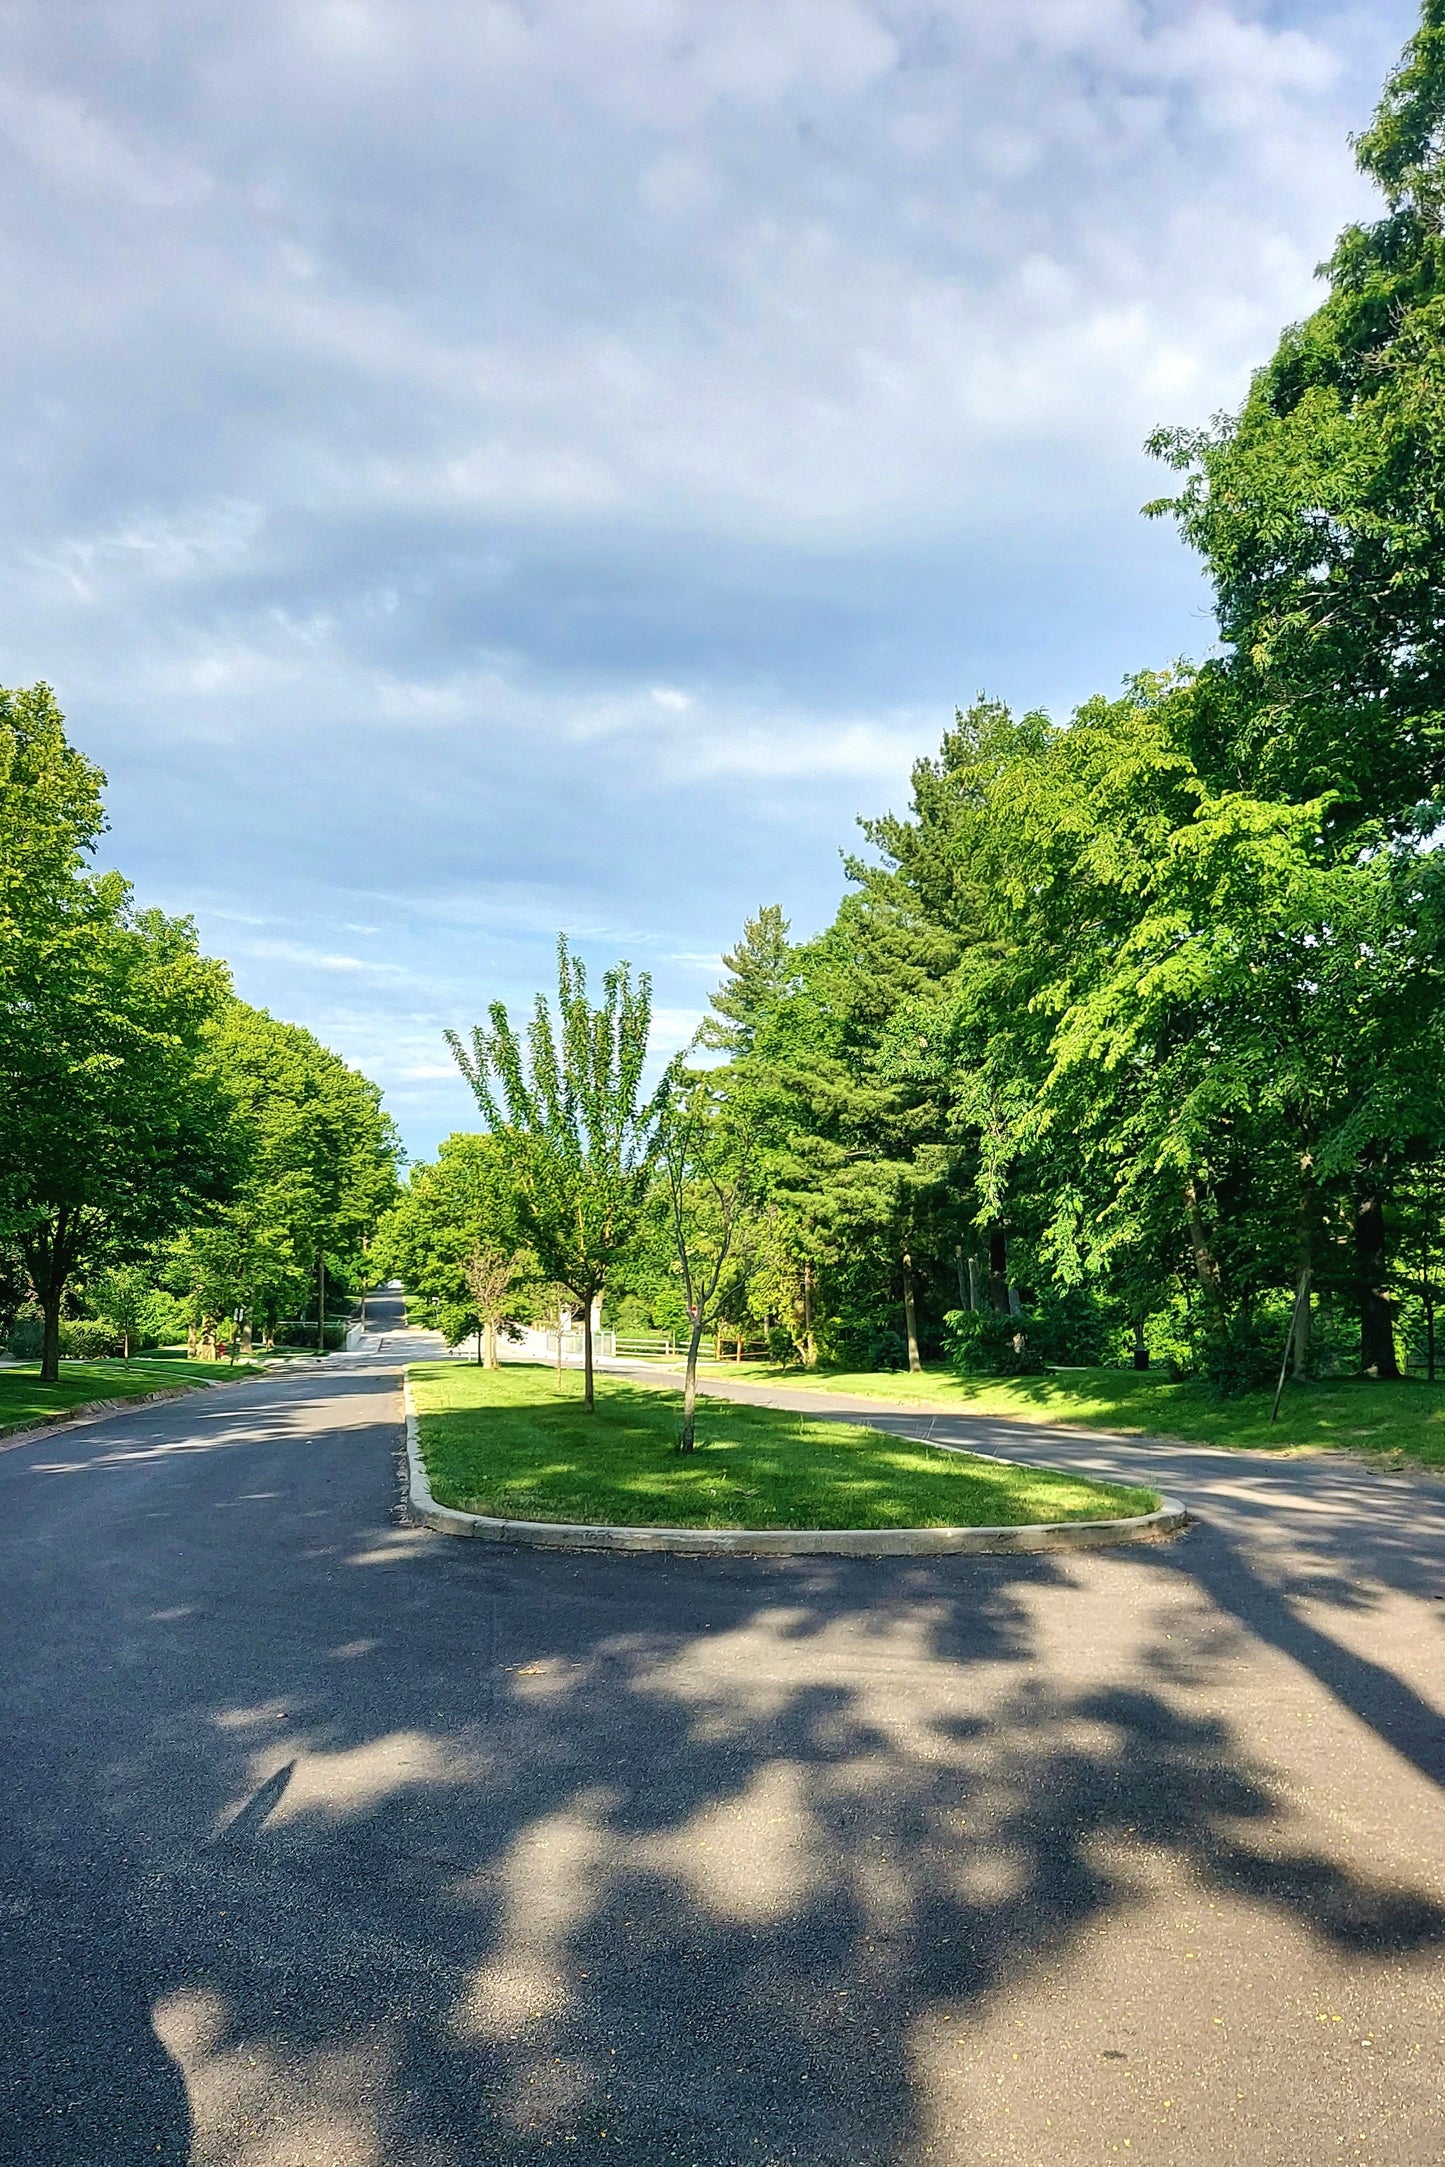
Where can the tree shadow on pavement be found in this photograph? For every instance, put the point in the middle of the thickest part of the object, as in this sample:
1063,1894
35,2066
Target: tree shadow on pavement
502,1854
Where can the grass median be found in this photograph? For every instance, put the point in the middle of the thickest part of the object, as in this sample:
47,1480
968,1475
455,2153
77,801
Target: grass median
1396,1422
511,1444
25,1400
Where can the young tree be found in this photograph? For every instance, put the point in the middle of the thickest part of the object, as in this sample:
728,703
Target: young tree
707,1164
580,1136
123,1298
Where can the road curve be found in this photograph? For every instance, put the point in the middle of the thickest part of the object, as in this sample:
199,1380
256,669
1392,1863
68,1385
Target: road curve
327,1840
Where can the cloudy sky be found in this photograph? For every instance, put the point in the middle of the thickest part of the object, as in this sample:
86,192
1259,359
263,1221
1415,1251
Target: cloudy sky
476,467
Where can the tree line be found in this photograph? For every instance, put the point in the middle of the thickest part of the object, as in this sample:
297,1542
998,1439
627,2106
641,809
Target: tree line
1126,1041
170,1157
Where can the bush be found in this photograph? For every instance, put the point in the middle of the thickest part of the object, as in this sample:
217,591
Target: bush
867,1346
1242,1356
986,1343
1069,1324
88,1339
26,1333
82,1339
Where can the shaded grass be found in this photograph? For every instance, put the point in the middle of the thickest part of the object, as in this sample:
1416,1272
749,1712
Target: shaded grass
508,1443
1404,1421
24,1399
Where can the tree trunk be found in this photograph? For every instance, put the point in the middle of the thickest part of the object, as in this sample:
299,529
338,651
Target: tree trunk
50,1339
975,1285
1299,1354
1427,1283
321,1302
689,1387
493,1359
1141,1347
963,1301
588,1400
1300,1330
910,1321
1377,1324
810,1345
998,1270
1206,1271
479,1346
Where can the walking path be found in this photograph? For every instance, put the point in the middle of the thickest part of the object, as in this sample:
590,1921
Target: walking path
330,1843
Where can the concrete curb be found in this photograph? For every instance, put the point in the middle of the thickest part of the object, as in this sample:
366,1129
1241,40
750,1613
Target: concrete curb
847,1542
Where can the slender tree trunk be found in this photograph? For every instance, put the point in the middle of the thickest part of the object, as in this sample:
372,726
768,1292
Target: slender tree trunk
1377,1327
910,1321
1427,1283
479,1346
689,1387
191,1343
975,1284
1206,1271
1141,1345
50,1295
588,1400
1300,1332
1304,1253
998,1270
321,1301
493,1359
810,1345
125,1346
963,1301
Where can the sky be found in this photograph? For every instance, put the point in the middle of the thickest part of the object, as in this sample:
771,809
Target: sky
479,468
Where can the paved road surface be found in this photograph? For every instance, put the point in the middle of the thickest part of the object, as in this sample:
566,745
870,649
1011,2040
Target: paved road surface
331,1843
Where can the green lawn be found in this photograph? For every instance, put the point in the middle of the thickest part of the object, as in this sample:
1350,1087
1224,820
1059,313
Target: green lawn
24,1399
1400,1421
506,1442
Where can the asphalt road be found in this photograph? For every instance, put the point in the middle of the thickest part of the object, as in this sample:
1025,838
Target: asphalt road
327,1840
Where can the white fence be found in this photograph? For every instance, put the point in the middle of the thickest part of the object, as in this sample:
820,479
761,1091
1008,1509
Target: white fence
538,1345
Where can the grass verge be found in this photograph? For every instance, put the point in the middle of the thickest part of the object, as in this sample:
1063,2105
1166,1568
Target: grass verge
24,1399
1399,1422
508,1443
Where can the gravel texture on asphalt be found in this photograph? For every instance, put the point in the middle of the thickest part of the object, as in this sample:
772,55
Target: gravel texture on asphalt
329,1842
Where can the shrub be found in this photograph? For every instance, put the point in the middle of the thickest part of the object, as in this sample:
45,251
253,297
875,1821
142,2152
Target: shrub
1242,1355
867,1346
82,1339
1069,1324
26,1333
986,1343
88,1339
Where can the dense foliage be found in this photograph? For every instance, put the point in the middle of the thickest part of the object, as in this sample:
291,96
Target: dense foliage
1128,1040
150,1123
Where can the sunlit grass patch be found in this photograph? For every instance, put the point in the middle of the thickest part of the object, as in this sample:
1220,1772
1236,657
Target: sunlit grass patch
24,1399
1404,1419
510,1443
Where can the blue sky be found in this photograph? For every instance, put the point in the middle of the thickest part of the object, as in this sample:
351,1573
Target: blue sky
477,467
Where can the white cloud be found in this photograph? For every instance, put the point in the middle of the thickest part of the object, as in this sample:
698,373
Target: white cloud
480,467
